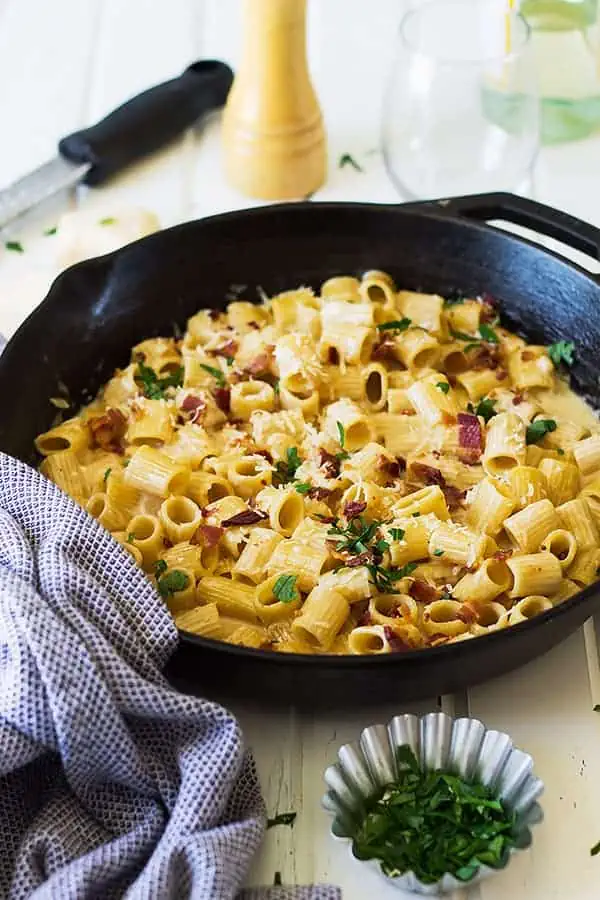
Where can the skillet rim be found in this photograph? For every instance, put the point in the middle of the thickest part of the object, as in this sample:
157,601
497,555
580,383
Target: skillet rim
428,210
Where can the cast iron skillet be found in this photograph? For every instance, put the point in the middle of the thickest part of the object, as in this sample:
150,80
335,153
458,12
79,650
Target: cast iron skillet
96,311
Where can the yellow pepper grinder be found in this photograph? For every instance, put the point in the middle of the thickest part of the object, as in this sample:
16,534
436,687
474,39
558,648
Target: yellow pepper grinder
273,135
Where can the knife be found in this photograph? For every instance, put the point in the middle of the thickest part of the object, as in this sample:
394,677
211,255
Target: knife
137,128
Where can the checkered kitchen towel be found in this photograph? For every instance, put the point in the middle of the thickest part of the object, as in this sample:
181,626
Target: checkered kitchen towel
111,783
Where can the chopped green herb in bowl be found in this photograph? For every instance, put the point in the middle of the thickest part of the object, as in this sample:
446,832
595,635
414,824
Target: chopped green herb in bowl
444,809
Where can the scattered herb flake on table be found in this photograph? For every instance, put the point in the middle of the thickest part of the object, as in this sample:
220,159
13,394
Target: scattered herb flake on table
346,159
282,819
107,220
431,823
50,231
15,246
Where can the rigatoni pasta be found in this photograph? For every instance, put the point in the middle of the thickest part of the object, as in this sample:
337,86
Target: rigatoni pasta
358,469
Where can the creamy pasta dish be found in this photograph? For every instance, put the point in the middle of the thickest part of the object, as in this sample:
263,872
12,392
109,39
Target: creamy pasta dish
360,470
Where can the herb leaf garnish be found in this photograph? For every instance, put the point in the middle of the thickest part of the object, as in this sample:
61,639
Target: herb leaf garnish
303,487
396,325
346,159
443,386
282,819
171,582
160,567
562,352
397,534
342,439
286,471
216,374
486,408
285,588
488,334
154,387
538,429
431,823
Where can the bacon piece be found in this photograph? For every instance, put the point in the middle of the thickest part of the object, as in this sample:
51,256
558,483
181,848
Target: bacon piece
422,591
329,463
207,535
327,520
391,467
260,364
265,454
468,614
501,555
230,348
428,474
501,375
194,405
489,310
319,493
354,509
454,496
333,357
362,559
518,399
486,357
108,431
470,436
223,398
384,350
436,640
448,418
254,325
245,517
213,314
396,643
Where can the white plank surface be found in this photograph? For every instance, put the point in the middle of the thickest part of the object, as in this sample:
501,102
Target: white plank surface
64,64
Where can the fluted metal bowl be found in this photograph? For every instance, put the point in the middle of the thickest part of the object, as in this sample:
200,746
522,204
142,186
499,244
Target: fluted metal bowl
462,747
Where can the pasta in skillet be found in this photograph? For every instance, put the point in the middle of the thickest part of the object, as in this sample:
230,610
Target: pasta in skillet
363,470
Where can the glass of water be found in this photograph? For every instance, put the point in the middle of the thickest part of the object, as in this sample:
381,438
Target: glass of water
461,112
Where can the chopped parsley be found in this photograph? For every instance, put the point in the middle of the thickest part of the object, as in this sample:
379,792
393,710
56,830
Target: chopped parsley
285,588
342,439
595,849
357,538
434,822
229,360
454,300
538,429
173,581
15,246
50,231
107,220
106,474
560,451
443,386
277,879
282,819
396,325
562,352
131,537
438,552
416,515
597,707
216,374
486,408
303,487
488,334
160,567
397,534
153,386
286,471
346,159
276,387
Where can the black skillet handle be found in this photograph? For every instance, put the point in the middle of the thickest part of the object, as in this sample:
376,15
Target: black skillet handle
520,211
148,121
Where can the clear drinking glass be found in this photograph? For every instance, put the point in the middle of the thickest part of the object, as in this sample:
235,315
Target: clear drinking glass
461,114
565,39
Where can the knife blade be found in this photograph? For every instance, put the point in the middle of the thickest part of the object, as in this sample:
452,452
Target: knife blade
139,127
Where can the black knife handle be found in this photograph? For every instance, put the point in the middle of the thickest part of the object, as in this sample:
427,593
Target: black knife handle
148,121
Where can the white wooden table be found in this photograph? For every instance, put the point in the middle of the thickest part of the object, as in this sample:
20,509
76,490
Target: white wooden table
65,63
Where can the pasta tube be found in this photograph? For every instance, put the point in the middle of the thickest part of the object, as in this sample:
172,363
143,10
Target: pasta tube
534,573
528,527
151,471
321,618
505,444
